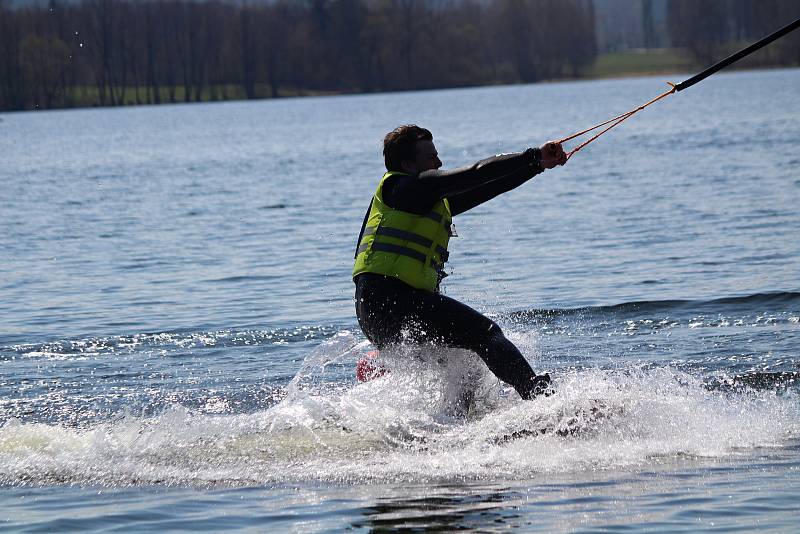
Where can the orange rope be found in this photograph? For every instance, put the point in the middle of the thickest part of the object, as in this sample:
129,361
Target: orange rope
616,120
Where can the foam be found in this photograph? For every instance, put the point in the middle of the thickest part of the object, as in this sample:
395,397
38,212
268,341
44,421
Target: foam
436,415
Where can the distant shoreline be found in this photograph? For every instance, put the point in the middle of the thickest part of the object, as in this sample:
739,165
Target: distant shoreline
619,65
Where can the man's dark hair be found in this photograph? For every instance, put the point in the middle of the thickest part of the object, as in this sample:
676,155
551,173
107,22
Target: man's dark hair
399,145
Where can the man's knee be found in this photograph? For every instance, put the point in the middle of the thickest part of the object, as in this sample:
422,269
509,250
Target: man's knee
493,337
494,331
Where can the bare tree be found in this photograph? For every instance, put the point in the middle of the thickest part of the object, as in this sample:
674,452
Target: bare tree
109,52
701,28
12,77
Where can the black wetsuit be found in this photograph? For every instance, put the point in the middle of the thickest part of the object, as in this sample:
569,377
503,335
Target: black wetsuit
390,311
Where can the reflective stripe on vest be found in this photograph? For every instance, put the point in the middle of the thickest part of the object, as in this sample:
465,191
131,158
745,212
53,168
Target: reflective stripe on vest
399,234
394,249
437,217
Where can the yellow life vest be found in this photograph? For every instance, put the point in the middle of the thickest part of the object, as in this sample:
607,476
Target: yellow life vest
404,245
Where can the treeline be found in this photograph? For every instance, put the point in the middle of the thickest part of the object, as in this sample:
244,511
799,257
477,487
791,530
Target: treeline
113,52
116,52
707,29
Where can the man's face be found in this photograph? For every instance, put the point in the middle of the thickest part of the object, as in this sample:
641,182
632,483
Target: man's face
426,158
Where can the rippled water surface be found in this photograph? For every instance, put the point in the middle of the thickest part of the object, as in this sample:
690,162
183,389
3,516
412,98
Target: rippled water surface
178,340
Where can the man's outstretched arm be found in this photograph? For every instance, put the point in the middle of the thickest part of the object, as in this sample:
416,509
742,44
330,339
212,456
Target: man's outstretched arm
416,194
469,199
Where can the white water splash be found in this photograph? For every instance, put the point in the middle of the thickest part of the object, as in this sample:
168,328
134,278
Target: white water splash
435,415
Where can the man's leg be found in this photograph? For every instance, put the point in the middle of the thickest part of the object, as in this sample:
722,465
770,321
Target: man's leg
386,307
449,322
383,305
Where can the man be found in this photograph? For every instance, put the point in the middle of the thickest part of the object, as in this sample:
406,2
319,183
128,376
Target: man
402,249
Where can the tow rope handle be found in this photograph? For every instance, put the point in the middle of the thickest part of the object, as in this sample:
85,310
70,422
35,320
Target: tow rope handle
674,88
619,119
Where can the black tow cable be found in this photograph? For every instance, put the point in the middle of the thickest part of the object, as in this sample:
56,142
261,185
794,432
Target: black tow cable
733,58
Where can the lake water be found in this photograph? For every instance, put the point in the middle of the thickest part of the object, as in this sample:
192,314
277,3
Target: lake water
178,339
